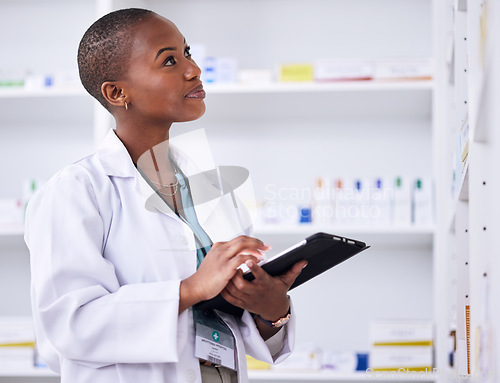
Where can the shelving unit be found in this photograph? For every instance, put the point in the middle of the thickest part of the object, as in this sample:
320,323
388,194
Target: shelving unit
468,302
304,130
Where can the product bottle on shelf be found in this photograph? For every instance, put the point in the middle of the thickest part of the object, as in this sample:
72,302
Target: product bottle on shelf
401,202
360,213
339,202
422,202
380,202
322,210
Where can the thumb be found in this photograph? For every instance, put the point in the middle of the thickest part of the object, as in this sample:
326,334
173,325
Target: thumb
289,277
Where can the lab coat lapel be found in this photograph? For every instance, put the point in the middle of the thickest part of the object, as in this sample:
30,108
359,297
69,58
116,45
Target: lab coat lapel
203,180
200,171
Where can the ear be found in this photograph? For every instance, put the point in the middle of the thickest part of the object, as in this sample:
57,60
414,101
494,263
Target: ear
114,94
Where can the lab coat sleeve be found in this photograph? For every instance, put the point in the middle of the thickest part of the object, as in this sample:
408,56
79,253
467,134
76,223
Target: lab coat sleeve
81,309
269,351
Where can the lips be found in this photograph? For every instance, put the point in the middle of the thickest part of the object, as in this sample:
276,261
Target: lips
196,92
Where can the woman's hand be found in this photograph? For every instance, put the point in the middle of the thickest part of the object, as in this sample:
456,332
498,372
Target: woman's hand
218,268
265,295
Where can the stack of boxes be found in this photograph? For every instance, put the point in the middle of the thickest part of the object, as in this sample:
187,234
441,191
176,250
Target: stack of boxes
17,343
401,345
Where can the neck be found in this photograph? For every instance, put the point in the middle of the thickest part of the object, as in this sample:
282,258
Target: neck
149,149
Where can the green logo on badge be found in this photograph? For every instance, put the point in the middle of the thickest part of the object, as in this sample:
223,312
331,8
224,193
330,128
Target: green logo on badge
215,336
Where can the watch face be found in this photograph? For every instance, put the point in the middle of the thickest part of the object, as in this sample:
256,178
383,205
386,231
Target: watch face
282,321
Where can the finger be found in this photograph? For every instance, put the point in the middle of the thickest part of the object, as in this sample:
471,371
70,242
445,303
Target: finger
289,277
243,244
238,286
241,258
258,272
226,294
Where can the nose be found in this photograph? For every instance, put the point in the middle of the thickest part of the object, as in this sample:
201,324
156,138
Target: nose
192,70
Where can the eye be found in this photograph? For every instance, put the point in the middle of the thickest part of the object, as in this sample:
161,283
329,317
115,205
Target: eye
169,61
187,52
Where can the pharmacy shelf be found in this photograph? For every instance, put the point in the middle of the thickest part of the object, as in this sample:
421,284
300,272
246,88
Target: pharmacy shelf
18,229
329,376
11,230
386,236
27,372
298,87
238,88
278,376
47,92
307,228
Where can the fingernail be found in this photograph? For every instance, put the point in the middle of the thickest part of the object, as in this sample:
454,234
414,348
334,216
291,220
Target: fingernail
304,266
268,246
249,263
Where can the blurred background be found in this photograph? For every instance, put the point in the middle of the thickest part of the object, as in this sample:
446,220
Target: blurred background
350,116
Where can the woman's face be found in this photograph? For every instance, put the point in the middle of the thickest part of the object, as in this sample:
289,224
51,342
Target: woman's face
162,83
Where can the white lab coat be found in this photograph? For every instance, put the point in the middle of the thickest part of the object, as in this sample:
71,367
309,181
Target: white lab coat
106,263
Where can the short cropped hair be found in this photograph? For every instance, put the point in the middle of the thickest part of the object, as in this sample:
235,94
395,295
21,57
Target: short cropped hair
104,49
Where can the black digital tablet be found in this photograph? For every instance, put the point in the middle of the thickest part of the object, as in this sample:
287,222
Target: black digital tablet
322,252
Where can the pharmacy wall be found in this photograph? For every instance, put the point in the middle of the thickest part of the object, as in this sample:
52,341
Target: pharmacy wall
289,134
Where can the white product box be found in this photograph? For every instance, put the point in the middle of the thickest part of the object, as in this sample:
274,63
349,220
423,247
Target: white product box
255,76
340,361
400,332
391,357
395,69
17,357
209,69
17,341
304,357
342,70
15,330
220,70
227,70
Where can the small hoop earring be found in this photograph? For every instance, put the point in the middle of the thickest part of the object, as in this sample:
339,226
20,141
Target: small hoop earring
126,105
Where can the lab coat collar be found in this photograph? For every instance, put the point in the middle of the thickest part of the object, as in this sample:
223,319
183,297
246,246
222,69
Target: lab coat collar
204,185
114,157
192,155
